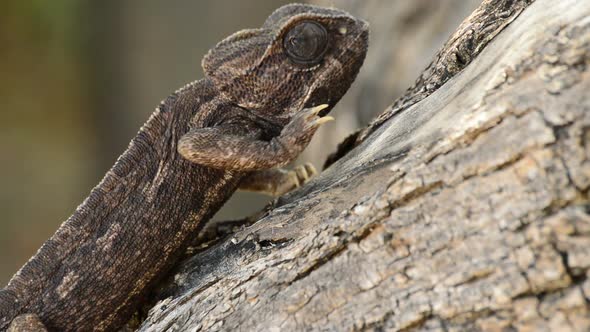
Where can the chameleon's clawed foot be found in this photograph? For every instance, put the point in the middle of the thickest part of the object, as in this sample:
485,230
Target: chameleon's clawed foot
276,182
312,116
303,125
294,179
303,173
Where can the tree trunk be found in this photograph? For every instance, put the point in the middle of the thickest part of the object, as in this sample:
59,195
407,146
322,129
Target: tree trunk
463,207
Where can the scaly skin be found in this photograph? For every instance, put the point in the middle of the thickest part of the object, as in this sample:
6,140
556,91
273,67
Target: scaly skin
252,113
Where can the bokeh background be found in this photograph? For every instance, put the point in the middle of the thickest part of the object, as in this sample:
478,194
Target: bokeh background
79,77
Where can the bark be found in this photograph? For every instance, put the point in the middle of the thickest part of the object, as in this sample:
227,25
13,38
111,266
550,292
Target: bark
404,35
464,209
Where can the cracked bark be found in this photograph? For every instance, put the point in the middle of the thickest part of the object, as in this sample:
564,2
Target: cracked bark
467,210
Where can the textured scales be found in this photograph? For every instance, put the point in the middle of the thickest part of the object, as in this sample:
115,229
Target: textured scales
252,113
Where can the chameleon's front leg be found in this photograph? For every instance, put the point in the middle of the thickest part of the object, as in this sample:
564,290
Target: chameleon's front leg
217,147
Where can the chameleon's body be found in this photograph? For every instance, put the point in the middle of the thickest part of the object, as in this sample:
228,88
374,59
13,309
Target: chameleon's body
250,114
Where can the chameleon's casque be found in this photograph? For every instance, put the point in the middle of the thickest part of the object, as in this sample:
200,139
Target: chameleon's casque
252,113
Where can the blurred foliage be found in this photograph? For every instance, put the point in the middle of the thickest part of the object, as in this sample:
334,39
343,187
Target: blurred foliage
41,91
78,80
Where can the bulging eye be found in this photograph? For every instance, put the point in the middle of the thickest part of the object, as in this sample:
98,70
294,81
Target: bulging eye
306,42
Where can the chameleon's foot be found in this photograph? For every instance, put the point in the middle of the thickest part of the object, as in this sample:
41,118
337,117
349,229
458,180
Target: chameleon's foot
276,182
293,179
308,121
313,113
302,174
27,323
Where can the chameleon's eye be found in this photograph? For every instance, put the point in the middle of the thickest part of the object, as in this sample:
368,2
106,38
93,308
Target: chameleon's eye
306,42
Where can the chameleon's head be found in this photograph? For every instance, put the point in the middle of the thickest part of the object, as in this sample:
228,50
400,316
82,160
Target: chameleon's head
302,56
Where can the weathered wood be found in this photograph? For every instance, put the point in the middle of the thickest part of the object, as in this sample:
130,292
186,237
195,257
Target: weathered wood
470,38
404,35
468,210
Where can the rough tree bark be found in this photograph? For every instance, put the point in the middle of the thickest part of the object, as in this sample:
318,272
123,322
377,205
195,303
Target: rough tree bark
404,36
464,207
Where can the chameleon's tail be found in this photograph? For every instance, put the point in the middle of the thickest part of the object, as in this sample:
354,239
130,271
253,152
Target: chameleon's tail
9,308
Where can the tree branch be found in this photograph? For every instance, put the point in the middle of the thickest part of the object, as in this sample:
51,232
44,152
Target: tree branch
468,210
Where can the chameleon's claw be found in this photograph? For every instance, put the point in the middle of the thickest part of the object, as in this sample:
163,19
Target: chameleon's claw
316,110
319,108
324,120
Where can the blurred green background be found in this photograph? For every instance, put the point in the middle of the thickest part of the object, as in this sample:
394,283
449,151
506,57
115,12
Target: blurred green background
78,79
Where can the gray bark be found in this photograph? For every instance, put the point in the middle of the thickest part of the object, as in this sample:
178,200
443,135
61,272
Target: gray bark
404,35
466,209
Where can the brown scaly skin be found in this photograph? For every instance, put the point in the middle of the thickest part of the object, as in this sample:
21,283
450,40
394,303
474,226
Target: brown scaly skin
251,113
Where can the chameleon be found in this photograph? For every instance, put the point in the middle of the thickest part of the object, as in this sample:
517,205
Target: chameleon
265,93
